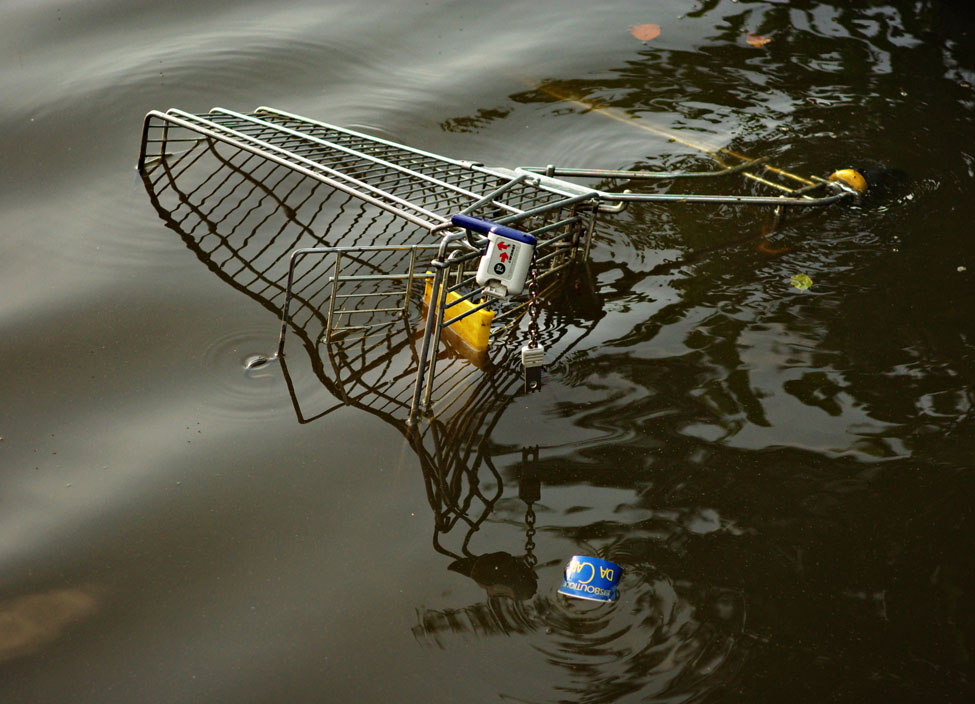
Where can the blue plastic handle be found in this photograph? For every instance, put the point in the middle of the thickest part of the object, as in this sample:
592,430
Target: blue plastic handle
486,227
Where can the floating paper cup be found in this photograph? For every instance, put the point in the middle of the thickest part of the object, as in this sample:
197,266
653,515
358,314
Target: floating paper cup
591,578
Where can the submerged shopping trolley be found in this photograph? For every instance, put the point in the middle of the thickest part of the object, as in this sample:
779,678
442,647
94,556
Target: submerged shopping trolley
475,247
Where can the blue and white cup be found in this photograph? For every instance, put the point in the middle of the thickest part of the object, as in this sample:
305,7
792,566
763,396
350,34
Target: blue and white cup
591,578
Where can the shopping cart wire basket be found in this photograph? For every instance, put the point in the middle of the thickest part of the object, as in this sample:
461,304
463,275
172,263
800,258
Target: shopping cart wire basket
421,251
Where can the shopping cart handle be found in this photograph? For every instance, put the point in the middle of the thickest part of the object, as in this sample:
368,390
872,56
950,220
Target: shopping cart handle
486,227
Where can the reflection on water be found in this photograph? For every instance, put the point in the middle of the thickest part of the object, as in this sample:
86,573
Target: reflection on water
660,638
785,476
242,219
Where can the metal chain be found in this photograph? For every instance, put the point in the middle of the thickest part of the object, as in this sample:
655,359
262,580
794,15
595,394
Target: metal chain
533,307
530,558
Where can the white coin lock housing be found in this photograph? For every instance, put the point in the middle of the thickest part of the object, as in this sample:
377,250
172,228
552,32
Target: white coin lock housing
504,267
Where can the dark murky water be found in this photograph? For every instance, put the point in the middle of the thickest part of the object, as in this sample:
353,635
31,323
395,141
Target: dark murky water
785,475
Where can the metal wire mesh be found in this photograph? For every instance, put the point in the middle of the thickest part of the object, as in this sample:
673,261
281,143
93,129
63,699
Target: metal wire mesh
425,188
243,216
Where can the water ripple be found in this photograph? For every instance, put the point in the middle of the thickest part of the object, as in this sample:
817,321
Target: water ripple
239,392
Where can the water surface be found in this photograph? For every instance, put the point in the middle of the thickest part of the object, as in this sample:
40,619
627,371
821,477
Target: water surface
784,475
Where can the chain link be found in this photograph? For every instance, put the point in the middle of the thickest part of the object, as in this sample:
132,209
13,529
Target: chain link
530,558
533,307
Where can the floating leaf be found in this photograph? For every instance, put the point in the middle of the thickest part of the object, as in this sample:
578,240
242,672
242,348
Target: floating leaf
801,281
757,39
645,32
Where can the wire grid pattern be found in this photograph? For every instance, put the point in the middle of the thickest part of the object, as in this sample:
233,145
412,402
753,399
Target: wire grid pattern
243,216
371,282
452,180
424,187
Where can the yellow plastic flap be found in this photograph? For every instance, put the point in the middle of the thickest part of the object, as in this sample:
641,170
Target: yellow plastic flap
474,330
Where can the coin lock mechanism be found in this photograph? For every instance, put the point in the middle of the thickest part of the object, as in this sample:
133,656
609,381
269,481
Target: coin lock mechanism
504,266
504,269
